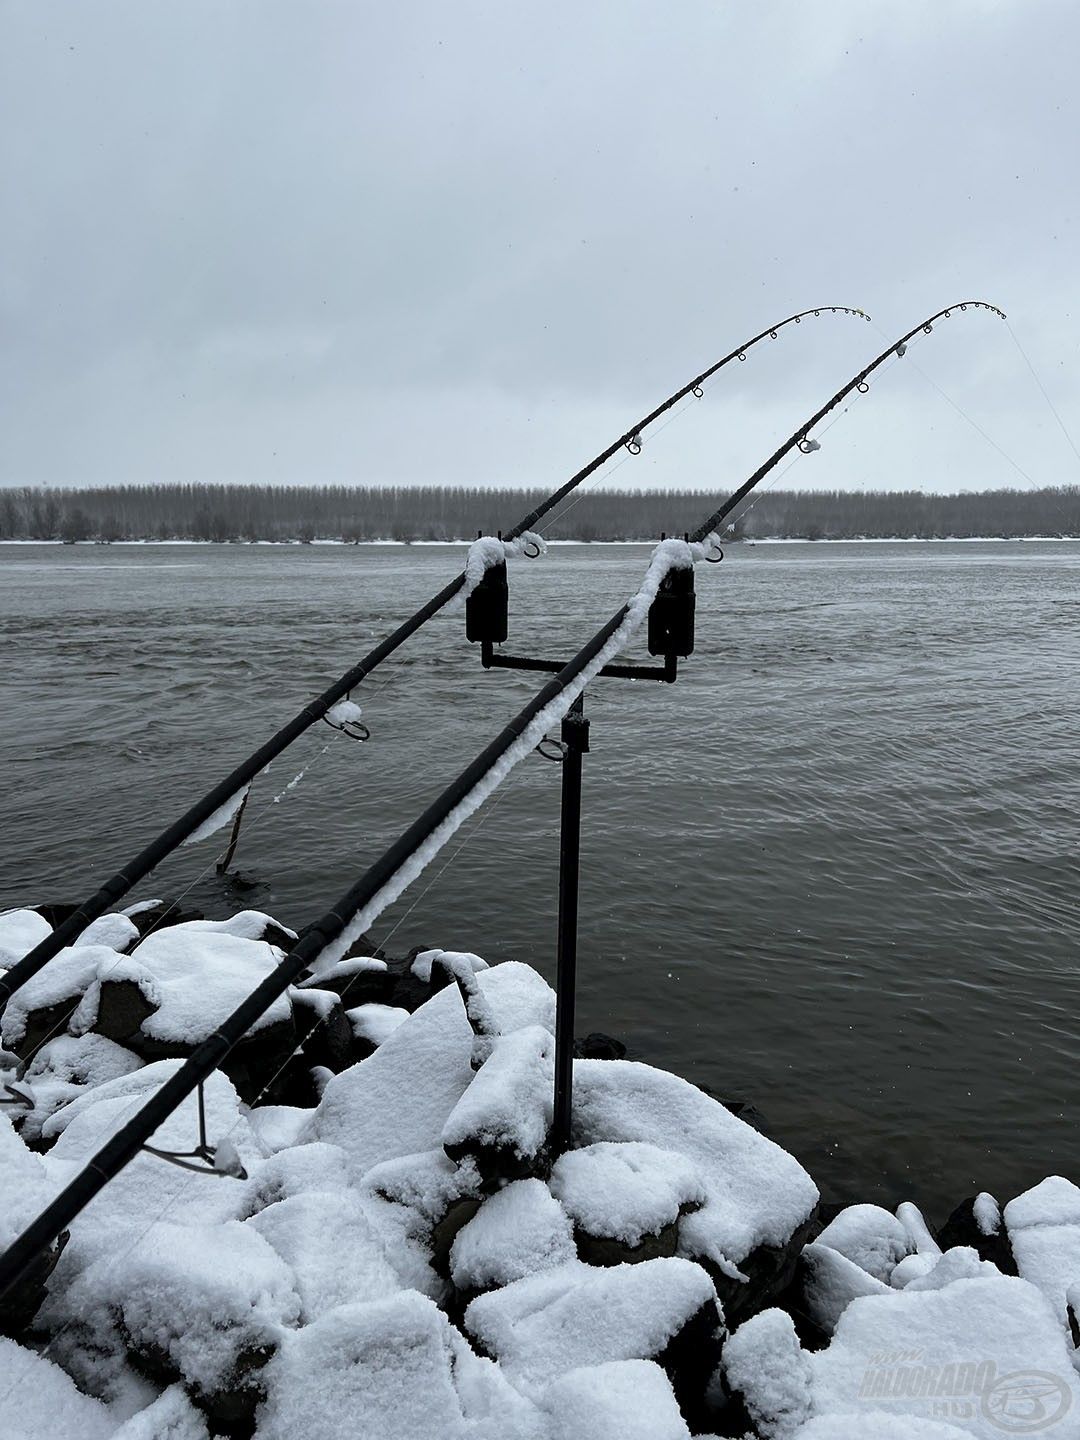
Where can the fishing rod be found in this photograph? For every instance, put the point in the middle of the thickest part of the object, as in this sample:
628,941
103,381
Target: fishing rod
222,794
392,873
801,438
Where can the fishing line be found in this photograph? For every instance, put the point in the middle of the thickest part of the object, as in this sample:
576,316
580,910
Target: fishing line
1042,387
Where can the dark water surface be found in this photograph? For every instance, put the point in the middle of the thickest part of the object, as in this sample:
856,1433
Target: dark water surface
831,871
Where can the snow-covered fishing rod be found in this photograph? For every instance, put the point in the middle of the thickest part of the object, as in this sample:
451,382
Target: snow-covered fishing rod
225,793
329,939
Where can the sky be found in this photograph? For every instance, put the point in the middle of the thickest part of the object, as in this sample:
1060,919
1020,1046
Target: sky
341,242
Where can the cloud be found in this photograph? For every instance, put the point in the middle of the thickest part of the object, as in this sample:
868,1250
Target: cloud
326,242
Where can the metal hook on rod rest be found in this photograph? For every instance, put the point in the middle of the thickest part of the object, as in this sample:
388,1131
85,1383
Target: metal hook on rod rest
558,746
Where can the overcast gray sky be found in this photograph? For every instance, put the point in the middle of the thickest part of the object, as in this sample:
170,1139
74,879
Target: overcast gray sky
469,243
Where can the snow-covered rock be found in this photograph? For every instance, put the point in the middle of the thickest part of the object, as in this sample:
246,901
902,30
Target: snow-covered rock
383,1370
765,1366
20,932
519,1231
504,1116
1044,1232
974,1344
869,1237
331,1248
397,1101
622,1400
44,1003
542,1327
757,1196
829,1282
625,1190
376,1023
38,1401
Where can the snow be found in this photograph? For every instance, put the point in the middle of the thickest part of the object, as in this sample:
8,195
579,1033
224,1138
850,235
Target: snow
387,1366
200,973
65,977
1054,1201
170,1417
870,1424
220,817
376,1023
756,1193
343,969
456,962
668,555
518,1231
764,1363
245,925
918,1232
1049,1256
509,1103
67,1066
345,712
330,1246
204,1295
141,906
1044,1231
625,1191
987,1213
543,1326
324,1262
965,1341
115,931
909,1268
295,1171
960,1263
397,1101
622,1400
831,1282
25,1188
427,1183
41,1402
870,1237
20,932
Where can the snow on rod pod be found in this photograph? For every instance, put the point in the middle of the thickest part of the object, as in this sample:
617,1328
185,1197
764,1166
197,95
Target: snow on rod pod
22,1254
169,840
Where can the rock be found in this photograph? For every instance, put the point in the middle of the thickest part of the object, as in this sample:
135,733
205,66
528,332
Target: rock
159,914
122,1008
760,1203
542,1327
323,1029
41,1025
518,1231
963,1228
626,1199
503,1120
409,992
828,1282
356,980
767,1373
770,1271
597,1046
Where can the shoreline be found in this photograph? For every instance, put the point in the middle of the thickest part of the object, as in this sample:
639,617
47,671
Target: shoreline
596,544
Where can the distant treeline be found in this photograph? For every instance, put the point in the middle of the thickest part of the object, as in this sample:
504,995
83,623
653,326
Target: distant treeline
332,512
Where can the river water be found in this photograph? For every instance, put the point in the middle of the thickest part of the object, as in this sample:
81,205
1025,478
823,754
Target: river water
831,871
